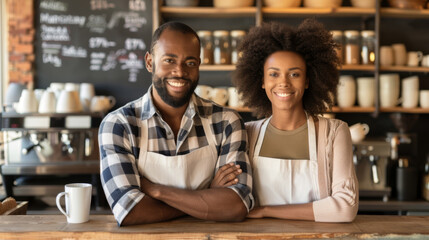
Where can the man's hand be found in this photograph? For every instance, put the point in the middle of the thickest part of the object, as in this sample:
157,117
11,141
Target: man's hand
148,187
226,176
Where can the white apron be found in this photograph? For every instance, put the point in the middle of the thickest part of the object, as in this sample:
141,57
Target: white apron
194,170
286,181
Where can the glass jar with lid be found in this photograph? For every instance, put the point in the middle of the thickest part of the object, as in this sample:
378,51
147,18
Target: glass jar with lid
222,53
368,47
236,38
352,49
338,38
206,47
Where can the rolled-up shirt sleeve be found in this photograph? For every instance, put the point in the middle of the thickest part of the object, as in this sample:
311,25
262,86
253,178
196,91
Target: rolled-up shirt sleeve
233,149
118,172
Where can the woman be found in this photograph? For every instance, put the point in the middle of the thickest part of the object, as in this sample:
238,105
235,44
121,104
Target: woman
302,163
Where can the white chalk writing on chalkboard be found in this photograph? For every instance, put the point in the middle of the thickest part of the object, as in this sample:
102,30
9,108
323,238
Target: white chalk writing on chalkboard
54,33
134,43
53,59
72,51
62,19
51,48
53,5
133,64
137,5
133,21
100,42
97,23
101,4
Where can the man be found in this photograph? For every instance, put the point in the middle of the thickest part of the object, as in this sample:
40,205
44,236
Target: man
159,153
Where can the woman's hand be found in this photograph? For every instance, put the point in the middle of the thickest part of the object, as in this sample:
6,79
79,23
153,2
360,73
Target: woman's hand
226,176
257,212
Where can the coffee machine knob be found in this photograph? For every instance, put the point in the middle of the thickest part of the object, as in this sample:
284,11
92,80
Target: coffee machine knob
374,169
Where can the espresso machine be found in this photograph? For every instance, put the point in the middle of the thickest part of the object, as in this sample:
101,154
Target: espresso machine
45,151
371,159
404,155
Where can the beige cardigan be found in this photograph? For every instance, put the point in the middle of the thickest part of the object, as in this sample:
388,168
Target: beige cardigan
338,185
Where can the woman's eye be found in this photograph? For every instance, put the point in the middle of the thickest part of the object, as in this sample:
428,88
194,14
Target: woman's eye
273,74
295,75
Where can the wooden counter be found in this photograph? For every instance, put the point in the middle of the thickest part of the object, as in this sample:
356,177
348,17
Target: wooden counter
105,227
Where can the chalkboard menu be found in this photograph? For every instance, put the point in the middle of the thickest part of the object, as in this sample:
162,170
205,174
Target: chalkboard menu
102,42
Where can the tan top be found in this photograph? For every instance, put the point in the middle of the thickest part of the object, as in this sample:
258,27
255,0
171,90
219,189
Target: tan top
338,185
296,141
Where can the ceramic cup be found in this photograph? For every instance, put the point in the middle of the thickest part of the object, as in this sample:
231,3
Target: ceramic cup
424,98
78,202
68,102
86,93
234,99
102,103
414,58
358,132
386,56
346,91
219,96
48,102
410,92
13,93
400,54
27,102
203,91
366,91
389,90
39,92
425,61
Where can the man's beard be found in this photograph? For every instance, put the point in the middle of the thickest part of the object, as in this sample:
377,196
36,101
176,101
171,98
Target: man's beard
160,85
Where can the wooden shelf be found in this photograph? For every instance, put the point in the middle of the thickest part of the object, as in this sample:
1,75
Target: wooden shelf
328,12
208,12
405,110
405,69
404,13
357,68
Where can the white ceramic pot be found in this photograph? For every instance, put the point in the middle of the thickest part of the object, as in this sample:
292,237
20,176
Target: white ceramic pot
363,3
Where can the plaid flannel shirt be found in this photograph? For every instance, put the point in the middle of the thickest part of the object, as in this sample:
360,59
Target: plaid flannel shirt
119,139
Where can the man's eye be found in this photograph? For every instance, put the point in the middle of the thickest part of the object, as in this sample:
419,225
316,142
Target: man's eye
191,64
169,60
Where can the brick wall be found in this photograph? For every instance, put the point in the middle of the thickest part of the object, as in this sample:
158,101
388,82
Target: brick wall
20,41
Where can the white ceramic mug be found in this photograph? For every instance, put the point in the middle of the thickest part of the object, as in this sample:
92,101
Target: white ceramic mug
27,102
72,86
410,92
234,99
424,98
86,93
389,90
414,58
48,102
78,202
346,91
203,91
219,95
386,56
358,132
68,102
425,61
102,103
366,91
400,54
